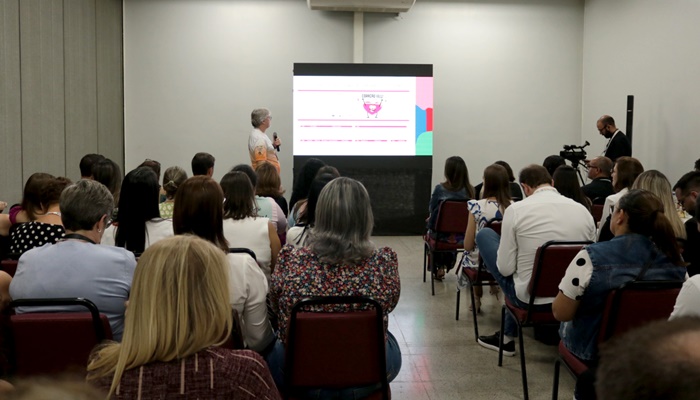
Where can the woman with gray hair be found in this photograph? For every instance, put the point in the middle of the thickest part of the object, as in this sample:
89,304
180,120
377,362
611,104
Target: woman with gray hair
77,265
339,260
260,147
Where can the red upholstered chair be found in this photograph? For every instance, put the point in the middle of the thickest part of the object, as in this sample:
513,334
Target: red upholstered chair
452,219
632,305
335,350
551,261
478,277
55,342
9,263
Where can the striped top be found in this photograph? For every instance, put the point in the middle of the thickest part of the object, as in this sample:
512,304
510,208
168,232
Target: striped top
213,373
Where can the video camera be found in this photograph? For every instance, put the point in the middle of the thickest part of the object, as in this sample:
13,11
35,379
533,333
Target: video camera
574,153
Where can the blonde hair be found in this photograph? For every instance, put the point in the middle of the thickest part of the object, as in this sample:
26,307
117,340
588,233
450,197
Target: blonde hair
656,182
179,305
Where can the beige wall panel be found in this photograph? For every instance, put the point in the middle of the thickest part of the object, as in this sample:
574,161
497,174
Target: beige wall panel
80,82
43,122
10,104
110,80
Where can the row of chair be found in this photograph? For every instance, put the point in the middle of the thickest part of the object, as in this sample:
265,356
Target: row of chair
622,310
331,350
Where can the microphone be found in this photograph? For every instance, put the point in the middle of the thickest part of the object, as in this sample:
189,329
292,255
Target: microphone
274,136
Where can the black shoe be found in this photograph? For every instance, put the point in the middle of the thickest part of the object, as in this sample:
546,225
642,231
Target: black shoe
491,343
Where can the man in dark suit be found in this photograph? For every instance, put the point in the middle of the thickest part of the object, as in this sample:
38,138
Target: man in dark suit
618,143
599,170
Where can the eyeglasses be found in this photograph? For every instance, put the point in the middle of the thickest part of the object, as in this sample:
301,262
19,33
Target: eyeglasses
680,200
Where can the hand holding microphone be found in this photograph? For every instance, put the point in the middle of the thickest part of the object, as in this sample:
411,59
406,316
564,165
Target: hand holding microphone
276,141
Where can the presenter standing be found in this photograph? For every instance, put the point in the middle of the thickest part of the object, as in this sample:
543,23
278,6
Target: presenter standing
260,147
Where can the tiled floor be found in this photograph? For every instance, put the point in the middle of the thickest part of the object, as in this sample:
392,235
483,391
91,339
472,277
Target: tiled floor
441,359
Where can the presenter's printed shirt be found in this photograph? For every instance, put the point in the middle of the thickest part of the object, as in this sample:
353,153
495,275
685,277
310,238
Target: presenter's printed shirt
261,149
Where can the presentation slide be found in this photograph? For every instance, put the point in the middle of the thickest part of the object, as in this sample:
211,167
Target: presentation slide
357,115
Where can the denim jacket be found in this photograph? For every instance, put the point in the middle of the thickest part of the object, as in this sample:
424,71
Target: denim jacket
615,263
440,193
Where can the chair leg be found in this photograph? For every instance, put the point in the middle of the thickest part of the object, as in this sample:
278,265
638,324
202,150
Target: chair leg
500,339
555,385
523,371
457,307
425,258
476,323
431,262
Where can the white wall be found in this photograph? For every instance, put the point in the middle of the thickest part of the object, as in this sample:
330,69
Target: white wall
507,74
194,70
649,49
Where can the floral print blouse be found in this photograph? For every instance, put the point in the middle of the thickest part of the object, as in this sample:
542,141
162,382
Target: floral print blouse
299,274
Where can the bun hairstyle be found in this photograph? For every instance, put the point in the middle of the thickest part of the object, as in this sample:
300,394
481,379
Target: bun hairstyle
645,216
172,179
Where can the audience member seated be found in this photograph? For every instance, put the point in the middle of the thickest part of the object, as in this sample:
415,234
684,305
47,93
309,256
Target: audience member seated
455,187
599,170
203,164
328,170
301,211
339,260
551,163
543,216
657,183
657,361
687,191
516,192
199,211
302,183
496,198
172,179
5,280
688,301
108,173
270,185
299,234
86,164
644,248
624,173
40,205
77,266
153,165
267,207
242,226
566,183
139,223
178,316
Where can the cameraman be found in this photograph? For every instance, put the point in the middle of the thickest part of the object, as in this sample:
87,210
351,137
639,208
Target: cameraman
601,186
